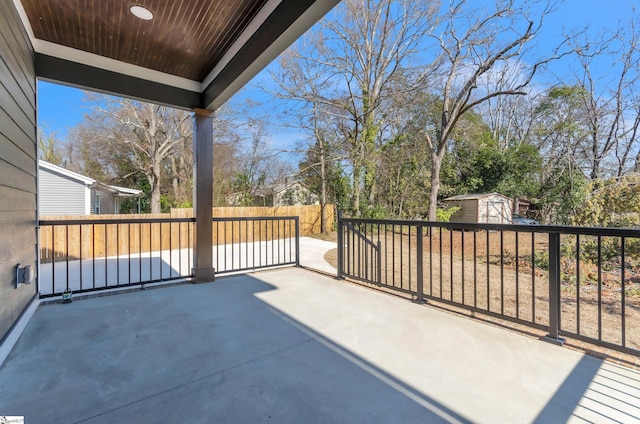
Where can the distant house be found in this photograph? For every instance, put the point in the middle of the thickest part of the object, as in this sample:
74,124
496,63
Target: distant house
492,208
293,194
64,192
288,193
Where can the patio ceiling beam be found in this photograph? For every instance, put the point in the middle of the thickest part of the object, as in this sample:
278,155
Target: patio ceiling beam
83,76
286,24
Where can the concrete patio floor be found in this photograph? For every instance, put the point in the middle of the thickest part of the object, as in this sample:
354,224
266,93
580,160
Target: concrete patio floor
293,346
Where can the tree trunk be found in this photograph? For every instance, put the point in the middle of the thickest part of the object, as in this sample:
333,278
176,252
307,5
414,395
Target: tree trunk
356,189
436,163
323,180
175,180
154,182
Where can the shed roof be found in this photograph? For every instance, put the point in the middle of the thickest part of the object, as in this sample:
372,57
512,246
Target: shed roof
475,196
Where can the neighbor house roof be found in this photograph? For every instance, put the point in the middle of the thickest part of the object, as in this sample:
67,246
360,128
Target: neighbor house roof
126,192
282,186
65,172
475,196
90,182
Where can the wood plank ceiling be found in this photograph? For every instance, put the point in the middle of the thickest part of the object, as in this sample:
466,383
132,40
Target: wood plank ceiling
185,38
192,54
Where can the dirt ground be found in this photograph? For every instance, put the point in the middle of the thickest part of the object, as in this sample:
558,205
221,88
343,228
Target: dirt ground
468,269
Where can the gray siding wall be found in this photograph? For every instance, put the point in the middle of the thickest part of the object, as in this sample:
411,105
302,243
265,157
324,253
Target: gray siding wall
59,195
18,164
107,202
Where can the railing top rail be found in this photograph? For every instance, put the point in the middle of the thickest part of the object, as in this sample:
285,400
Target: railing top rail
254,218
561,229
48,222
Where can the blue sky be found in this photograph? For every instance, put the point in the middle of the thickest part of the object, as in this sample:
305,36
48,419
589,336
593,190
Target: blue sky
61,108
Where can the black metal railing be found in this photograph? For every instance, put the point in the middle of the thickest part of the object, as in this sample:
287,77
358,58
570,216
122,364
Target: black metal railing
245,244
83,255
572,281
363,257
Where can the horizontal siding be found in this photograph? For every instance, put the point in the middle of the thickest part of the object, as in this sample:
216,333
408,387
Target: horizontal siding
22,137
15,177
58,195
10,85
107,203
18,166
16,200
16,43
15,225
467,212
18,157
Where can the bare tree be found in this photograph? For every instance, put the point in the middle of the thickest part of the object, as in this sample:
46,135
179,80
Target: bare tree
510,118
606,103
474,43
50,147
142,133
611,102
591,121
356,61
304,82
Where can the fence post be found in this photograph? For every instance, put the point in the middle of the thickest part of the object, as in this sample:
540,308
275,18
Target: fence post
340,246
297,218
554,290
420,265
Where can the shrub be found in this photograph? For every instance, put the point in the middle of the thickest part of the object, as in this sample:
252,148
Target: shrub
444,215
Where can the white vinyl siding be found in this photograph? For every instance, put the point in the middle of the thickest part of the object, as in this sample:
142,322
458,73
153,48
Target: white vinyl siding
107,202
60,195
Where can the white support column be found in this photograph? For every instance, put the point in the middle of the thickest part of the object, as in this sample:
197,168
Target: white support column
203,195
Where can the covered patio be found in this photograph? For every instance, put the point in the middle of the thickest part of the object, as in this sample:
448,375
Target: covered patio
188,54
291,345
286,345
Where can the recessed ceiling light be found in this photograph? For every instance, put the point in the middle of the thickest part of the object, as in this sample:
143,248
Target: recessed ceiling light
141,13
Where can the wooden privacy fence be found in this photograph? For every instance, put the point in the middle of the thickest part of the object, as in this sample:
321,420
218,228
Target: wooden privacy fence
99,236
310,215
131,236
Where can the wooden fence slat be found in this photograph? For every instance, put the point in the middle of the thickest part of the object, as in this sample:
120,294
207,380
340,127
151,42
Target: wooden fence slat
113,239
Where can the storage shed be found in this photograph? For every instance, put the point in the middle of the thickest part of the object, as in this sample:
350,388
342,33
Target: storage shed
492,208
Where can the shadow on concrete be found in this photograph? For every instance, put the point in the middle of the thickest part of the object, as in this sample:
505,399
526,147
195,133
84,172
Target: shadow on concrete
595,391
568,396
244,350
196,353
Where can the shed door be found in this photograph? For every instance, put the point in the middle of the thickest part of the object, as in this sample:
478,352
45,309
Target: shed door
495,212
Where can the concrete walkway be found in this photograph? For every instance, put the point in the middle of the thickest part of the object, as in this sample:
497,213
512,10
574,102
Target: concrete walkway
292,346
312,251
